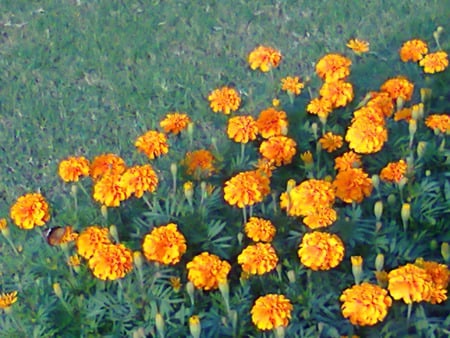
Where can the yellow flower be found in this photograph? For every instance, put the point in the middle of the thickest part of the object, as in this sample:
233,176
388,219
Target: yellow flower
338,93
365,304
319,218
199,163
259,229
91,239
292,84
410,283
279,149
108,190
164,244
258,259
271,311
264,58
352,185
3,224
382,102
206,271
175,123
358,46
72,168
331,142
434,62
333,67
30,210
320,106
366,137
107,164
138,179
242,129
111,261
413,50
347,161
307,158
440,122
74,260
175,283
394,171
152,143
398,87
271,122
321,250
8,299
246,188
224,100
403,114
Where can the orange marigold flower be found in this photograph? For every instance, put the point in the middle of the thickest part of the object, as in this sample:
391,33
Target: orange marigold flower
265,166
321,250
272,122
319,106
259,229
206,271
264,58
319,218
138,179
332,67
331,142
152,143
440,122
347,161
224,100
175,123
403,114
352,185
107,163
164,244
292,84
307,158
30,210
410,283
199,163
398,87
3,224
257,259
242,129
394,171
366,137
271,311
358,46
440,277
279,149
413,50
381,101
111,261
434,62
8,299
338,93
74,260
365,304
108,191
373,114
91,239
72,168
246,188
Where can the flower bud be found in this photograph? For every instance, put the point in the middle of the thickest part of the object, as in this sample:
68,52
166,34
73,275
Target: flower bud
379,262
194,326
114,233
159,323
391,199
400,102
421,149
73,190
445,251
190,290
57,290
382,278
284,130
290,185
412,129
291,276
314,128
189,192
104,212
357,262
376,181
425,94
138,259
279,332
402,182
378,210
406,214
433,244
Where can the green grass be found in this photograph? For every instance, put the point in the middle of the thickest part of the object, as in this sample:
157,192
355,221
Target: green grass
90,78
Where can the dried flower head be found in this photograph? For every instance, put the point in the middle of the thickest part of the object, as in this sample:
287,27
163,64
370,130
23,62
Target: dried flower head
111,262
264,58
259,229
271,311
107,164
206,271
152,143
271,122
258,259
413,50
30,210
242,129
224,100
175,122
72,168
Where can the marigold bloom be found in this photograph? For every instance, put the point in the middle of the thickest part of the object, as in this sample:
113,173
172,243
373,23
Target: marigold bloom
164,244
365,304
175,122
331,142
91,239
107,163
440,277
206,271
292,84
8,299
319,218
175,283
413,50
152,143
271,311
394,171
403,114
370,113
138,179
3,224
332,67
265,166
30,210
366,137
72,168
279,149
246,188
398,87
307,158
264,58
242,129
382,102
199,163
111,261
259,229
438,121
338,93
347,161
320,106
257,259
358,46
108,191
224,100
352,185
272,122
74,260
434,62
321,250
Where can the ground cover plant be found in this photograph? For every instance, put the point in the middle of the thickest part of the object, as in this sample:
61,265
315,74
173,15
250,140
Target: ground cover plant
226,169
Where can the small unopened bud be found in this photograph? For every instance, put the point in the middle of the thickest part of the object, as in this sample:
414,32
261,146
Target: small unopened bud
357,262
402,183
379,262
73,190
284,130
139,333
138,259
433,244
290,185
190,129
159,323
425,94
421,149
378,210
189,192
240,237
445,251
291,276
279,332
195,327
314,128
427,173
275,102
400,102
376,181
323,119
104,211
57,290
382,278
412,129
114,233
391,199
406,214
190,290
174,170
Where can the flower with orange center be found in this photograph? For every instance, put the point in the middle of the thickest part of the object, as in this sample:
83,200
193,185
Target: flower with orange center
279,149
394,171
246,188
403,114
373,114
111,262
138,179
413,50
30,210
307,158
8,299
381,101
272,122
175,122
440,277
365,304
199,163
108,191
206,271
434,62
358,46
107,164
224,100
164,244
259,229
333,67
271,311
242,129
440,122
152,143
258,259
331,142
264,58
366,137
72,168
347,161
398,87
321,250
319,106
292,84
338,92
91,239
352,185
319,218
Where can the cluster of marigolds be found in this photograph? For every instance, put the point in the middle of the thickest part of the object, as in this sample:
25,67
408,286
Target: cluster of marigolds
312,199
